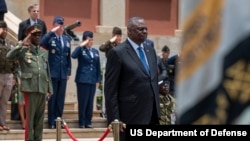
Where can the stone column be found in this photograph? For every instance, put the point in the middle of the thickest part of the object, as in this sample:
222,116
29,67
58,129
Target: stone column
184,9
112,13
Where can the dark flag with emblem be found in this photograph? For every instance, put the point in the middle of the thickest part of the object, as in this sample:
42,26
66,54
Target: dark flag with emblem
214,76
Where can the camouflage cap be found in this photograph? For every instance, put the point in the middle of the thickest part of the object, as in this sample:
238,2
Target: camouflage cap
117,31
165,49
34,29
3,24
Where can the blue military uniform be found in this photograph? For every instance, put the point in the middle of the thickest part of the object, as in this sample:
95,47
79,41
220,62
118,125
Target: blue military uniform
59,56
87,75
60,68
88,70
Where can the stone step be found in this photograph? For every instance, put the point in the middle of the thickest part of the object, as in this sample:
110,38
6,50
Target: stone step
70,111
51,133
97,122
67,114
17,133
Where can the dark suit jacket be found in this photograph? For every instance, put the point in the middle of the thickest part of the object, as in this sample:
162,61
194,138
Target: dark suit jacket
129,91
149,43
24,24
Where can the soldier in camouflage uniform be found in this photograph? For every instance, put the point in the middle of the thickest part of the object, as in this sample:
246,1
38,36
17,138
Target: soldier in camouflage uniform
113,42
167,104
36,82
106,47
6,76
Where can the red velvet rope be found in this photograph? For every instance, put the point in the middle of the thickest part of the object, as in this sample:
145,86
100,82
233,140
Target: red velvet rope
68,131
105,134
74,139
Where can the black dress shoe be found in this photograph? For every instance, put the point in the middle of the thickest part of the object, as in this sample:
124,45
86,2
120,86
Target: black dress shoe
81,126
88,126
52,127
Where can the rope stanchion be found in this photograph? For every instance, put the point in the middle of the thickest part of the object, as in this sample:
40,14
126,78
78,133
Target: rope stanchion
116,126
68,131
116,123
58,129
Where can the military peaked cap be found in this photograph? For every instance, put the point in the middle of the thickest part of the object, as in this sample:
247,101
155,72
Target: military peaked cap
33,29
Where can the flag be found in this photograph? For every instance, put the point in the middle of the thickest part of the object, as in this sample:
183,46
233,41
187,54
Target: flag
213,76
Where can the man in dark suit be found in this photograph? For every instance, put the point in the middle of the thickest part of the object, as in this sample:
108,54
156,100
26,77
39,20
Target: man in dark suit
131,86
33,12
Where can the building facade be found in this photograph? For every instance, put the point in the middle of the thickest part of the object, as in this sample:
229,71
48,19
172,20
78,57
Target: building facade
101,15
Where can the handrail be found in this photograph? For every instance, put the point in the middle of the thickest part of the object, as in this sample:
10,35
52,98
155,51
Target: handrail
13,23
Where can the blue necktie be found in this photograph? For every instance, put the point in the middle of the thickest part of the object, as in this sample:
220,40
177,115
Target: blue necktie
60,41
143,59
91,53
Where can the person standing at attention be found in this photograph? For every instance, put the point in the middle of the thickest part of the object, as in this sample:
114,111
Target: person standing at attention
6,74
167,104
36,81
106,47
59,48
17,110
33,10
88,77
131,79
